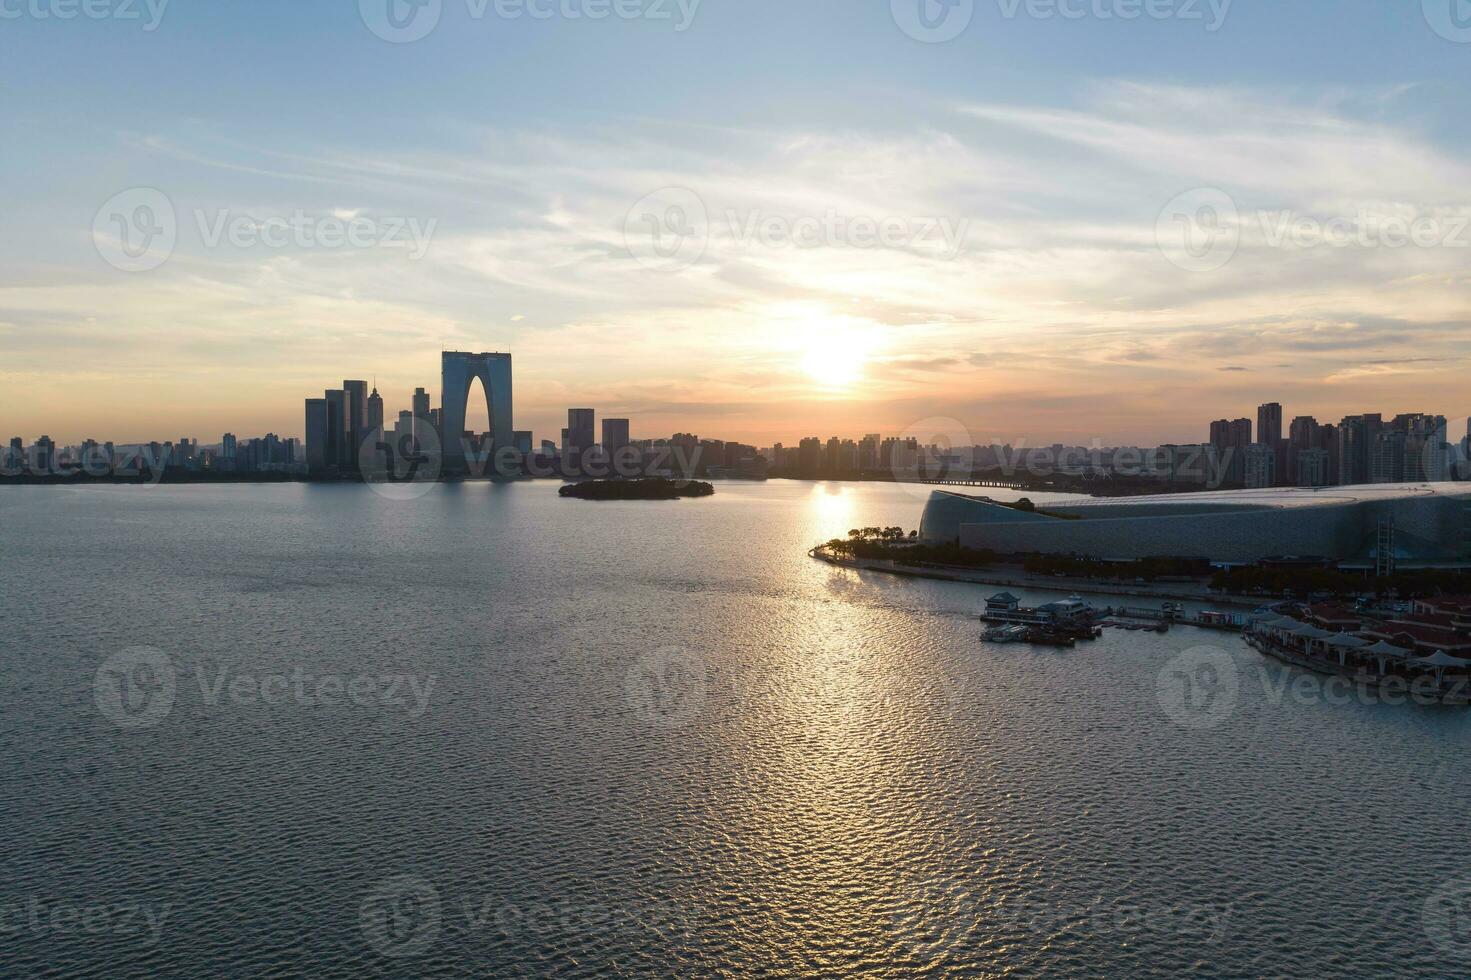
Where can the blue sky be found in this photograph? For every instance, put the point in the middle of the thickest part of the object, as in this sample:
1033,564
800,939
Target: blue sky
526,149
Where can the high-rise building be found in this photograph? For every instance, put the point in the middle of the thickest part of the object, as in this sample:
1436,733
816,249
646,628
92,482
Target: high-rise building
1231,437
581,429
337,418
1261,465
375,411
1356,435
1425,445
458,372
1301,436
615,435
809,456
521,439
186,452
319,448
43,455
423,420
1387,458
357,414
1311,467
1328,442
1269,423
229,446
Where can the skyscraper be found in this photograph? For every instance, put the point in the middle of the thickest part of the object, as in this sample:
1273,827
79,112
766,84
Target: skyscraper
375,411
615,435
1302,436
1387,457
1311,468
1269,433
1261,465
1231,437
581,431
423,421
318,439
337,419
357,414
1356,434
1425,445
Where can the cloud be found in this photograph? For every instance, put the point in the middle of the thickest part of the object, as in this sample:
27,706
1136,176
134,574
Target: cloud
1058,284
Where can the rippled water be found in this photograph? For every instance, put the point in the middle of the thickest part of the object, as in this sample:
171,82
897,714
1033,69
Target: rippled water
573,738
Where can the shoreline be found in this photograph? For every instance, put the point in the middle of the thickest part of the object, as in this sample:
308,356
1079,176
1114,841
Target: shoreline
1043,583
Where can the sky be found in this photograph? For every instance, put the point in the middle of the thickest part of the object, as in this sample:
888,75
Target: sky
1055,220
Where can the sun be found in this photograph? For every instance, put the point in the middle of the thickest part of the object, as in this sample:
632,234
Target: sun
835,353
833,365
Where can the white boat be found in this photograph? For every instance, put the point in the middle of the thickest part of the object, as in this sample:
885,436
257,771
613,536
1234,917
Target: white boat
1004,634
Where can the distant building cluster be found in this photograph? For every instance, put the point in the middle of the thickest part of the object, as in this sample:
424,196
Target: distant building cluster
1359,449
812,457
269,454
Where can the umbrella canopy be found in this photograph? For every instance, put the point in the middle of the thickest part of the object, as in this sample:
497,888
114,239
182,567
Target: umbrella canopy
1383,649
1310,632
1441,659
1347,641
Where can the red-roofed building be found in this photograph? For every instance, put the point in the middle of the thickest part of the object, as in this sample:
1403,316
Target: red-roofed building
1331,616
1426,639
1456,609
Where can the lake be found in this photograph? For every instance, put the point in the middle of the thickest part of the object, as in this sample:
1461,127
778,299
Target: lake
268,729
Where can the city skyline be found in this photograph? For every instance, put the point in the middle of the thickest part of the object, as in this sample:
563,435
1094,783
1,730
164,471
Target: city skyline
546,420
348,434
982,241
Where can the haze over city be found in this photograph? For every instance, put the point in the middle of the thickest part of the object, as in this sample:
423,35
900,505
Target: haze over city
502,168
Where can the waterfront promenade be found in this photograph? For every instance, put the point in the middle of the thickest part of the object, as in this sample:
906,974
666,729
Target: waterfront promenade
1021,580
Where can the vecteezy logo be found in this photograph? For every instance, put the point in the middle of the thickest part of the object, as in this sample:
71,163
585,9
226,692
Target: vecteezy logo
668,230
1199,230
136,230
1198,688
401,21
402,465
1446,919
1451,19
401,916
932,21
666,687
134,688
930,449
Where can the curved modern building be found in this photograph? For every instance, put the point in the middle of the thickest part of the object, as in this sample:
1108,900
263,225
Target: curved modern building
1424,523
458,372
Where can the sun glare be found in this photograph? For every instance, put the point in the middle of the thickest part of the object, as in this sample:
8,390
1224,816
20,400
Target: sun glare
835,353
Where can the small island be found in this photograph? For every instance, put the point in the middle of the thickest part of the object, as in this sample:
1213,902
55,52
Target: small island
651,489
